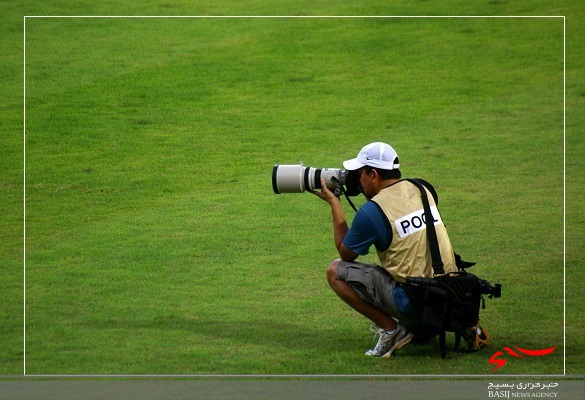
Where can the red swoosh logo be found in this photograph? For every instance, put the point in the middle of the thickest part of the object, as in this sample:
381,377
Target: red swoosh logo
501,362
537,352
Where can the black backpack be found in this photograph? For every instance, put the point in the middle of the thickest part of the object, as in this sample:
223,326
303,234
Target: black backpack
449,302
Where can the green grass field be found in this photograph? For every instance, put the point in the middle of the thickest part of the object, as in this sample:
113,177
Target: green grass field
153,243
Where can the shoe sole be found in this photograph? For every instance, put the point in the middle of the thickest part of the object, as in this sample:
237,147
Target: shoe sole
398,345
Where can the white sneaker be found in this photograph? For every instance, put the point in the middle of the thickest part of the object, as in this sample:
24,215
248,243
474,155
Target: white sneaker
388,343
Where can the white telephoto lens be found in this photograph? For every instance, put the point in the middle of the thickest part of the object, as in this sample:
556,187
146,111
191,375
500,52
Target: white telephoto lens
288,179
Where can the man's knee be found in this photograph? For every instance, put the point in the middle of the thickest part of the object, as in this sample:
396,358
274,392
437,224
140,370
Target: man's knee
332,270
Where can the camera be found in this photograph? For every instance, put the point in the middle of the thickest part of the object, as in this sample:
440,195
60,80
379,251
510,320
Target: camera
298,178
484,286
492,291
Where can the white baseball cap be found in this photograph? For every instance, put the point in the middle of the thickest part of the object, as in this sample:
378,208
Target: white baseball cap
377,155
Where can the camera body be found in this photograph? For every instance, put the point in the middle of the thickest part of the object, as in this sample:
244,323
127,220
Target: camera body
492,291
484,286
298,178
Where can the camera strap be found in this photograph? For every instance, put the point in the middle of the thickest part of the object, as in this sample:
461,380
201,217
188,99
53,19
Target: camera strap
431,232
344,193
348,200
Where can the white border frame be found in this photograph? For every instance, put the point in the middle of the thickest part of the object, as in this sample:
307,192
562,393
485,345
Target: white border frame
307,17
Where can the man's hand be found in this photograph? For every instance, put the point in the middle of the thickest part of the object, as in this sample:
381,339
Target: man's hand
326,194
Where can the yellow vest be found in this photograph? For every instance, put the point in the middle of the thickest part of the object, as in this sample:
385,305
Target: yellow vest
409,253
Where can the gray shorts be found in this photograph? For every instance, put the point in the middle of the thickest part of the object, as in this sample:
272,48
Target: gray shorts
373,284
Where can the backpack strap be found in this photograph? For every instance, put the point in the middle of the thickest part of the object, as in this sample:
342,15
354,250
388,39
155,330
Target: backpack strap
431,232
435,252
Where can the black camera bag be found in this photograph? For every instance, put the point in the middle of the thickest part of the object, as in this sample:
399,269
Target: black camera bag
448,302
451,303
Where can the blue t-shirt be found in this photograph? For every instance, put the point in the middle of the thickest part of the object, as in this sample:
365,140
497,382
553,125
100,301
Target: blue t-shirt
369,227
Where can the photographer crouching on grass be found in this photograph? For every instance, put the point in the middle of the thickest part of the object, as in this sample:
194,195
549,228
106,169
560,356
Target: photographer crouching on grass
392,220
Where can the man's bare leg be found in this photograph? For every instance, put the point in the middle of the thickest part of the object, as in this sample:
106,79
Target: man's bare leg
347,294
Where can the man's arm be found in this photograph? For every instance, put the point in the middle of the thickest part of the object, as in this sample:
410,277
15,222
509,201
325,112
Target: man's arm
340,227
